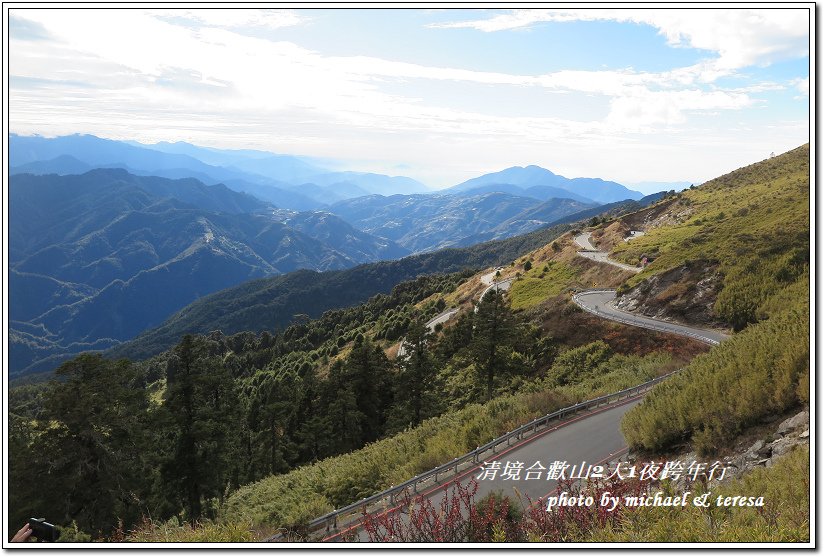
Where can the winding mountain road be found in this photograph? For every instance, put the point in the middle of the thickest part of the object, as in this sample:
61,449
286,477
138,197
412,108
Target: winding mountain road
593,437
440,318
602,302
501,286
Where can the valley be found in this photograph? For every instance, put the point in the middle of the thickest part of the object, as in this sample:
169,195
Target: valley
319,396
299,276
100,227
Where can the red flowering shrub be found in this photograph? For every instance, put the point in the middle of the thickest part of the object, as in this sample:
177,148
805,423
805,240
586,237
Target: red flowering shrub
452,515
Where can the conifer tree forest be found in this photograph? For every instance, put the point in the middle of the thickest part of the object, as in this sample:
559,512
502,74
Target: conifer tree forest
107,442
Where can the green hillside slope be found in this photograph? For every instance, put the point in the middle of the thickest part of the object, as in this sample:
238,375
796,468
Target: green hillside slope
754,224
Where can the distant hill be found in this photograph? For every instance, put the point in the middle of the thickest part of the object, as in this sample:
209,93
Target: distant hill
63,164
613,209
287,181
429,222
98,152
370,182
542,193
272,303
106,254
594,189
284,168
296,171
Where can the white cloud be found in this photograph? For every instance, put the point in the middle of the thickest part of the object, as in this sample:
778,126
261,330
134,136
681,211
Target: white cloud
235,18
803,85
160,78
740,37
643,111
262,75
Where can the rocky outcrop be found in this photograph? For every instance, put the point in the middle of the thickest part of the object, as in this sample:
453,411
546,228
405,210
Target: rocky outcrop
684,294
790,433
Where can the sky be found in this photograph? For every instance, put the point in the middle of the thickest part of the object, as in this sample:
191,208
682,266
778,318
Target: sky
630,95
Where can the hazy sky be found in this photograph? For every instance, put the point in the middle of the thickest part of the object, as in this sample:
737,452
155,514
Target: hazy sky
629,95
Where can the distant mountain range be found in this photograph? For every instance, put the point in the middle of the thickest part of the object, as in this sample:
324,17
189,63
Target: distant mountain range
287,181
429,222
541,193
525,178
105,254
272,303
108,238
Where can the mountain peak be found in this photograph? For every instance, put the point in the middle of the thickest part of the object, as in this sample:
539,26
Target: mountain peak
525,177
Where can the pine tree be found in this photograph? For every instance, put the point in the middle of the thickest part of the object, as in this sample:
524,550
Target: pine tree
89,462
495,328
367,373
274,406
203,417
416,373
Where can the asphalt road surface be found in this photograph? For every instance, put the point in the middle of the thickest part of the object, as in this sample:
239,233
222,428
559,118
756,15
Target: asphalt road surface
501,286
592,438
583,240
601,303
441,318
589,438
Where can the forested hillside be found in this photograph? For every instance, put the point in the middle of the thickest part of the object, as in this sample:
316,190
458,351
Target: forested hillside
271,304
266,403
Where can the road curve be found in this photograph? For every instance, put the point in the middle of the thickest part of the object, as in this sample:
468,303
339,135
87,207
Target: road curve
602,304
583,242
593,437
590,252
503,286
440,318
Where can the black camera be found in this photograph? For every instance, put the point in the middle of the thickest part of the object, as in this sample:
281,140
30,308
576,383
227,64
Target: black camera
43,531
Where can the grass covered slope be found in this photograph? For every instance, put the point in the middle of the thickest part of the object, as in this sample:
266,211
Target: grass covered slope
759,235
752,225
761,371
784,518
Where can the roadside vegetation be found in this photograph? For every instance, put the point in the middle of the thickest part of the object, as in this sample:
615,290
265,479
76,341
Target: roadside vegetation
308,492
762,371
785,516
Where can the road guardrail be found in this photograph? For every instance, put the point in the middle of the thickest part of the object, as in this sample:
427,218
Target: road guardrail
330,521
349,514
